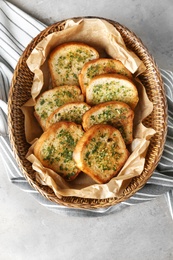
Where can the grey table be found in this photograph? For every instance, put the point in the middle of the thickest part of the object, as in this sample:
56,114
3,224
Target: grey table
145,231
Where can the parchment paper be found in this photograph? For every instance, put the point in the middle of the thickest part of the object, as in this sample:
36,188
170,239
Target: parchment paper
108,41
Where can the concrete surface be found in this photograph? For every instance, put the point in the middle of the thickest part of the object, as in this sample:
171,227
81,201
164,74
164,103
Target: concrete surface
143,232
150,20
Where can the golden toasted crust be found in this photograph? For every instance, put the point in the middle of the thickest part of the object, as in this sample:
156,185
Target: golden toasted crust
112,87
117,114
71,112
55,147
66,61
52,99
101,66
101,153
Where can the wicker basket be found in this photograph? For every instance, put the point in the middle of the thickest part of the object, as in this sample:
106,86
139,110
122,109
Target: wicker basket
20,92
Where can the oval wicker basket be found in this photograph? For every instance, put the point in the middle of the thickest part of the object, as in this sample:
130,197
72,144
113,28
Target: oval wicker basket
20,93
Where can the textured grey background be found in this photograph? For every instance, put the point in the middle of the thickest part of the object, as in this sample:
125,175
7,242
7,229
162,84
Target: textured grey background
152,20
145,231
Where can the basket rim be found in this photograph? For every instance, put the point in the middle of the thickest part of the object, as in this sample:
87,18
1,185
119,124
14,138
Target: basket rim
76,202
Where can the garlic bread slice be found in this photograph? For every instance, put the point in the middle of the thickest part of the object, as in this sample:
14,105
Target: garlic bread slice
71,112
66,61
52,99
101,153
111,87
117,114
101,66
54,149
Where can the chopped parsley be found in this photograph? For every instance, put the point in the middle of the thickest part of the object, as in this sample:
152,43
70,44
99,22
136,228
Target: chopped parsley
71,64
48,153
110,91
102,154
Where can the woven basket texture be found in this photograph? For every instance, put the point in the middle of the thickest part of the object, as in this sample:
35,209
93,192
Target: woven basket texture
20,92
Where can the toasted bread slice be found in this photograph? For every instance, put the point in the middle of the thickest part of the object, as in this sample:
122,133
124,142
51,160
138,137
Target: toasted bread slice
66,61
54,149
71,112
111,87
101,66
101,153
117,114
52,99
